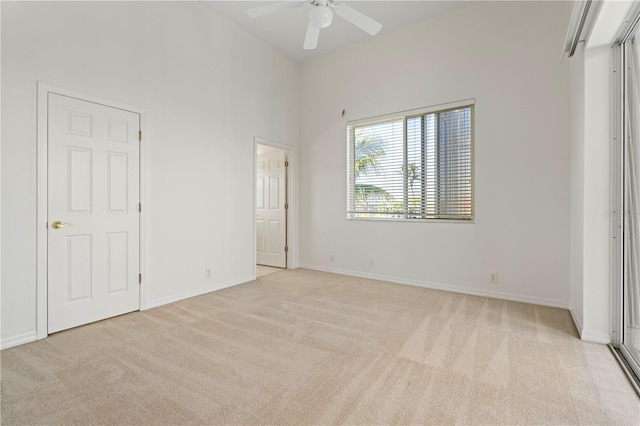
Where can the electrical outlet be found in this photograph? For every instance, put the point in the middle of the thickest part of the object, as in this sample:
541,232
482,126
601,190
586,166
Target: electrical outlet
331,259
207,273
370,263
493,278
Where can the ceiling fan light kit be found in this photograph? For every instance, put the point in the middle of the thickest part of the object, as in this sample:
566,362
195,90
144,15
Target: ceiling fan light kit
321,16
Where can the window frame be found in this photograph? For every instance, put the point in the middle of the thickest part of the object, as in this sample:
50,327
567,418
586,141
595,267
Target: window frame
405,216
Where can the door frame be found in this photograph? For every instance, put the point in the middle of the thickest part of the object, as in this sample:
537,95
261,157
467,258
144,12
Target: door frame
44,90
292,216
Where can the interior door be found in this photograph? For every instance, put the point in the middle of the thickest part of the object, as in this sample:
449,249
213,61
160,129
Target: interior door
93,218
271,213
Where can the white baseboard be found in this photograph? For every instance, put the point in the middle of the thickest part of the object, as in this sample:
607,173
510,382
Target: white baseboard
445,287
595,336
21,339
589,335
197,292
576,321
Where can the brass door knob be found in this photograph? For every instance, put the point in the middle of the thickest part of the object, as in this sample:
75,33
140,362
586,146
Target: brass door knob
57,224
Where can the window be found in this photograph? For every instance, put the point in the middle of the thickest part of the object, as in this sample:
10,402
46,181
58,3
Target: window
414,165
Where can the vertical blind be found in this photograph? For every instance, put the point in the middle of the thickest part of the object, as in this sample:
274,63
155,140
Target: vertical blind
413,166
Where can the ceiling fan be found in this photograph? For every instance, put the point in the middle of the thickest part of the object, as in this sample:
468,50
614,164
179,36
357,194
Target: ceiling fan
321,16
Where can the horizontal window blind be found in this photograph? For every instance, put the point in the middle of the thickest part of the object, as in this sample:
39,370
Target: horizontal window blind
412,167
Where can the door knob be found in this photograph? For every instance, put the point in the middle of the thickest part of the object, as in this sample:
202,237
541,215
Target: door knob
57,224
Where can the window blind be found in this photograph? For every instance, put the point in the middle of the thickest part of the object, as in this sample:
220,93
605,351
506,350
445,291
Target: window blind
416,166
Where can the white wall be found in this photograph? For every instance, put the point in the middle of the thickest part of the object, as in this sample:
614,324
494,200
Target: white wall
590,192
503,54
576,302
596,278
207,88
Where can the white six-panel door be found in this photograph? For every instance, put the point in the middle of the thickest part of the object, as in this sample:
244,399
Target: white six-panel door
93,218
271,215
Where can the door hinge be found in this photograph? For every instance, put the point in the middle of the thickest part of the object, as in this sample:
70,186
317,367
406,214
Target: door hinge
139,278
140,207
286,163
286,249
286,206
139,135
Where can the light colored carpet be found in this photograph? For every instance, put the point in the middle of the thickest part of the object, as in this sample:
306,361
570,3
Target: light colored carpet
262,270
304,347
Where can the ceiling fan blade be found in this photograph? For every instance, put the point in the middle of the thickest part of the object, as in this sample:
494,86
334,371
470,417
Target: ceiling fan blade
311,39
358,19
268,9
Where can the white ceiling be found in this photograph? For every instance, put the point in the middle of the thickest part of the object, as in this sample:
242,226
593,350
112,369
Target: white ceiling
285,30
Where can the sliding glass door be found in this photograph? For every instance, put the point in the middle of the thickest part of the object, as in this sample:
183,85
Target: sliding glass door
630,342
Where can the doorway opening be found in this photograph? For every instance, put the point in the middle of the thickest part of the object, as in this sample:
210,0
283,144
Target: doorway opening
271,208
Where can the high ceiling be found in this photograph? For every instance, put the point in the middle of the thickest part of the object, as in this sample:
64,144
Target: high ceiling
285,30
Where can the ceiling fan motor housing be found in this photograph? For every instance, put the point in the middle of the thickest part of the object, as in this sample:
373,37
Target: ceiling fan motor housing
320,16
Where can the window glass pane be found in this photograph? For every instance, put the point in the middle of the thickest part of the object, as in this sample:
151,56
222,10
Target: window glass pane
378,168
631,249
412,168
453,195
431,160
415,165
